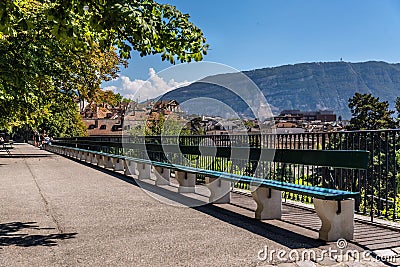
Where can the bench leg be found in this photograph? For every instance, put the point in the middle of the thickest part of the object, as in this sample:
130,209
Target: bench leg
86,154
88,157
108,163
118,164
334,225
100,160
269,203
144,171
92,158
220,190
187,182
130,167
162,175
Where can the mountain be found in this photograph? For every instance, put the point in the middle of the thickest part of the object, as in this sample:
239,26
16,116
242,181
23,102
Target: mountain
306,86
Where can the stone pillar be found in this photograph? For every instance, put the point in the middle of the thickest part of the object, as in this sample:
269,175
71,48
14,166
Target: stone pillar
118,164
92,158
82,155
220,190
108,162
89,157
144,171
335,224
187,182
162,175
100,160
269,203
85,155
130,167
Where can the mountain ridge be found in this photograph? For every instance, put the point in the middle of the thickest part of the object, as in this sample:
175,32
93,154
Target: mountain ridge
305,86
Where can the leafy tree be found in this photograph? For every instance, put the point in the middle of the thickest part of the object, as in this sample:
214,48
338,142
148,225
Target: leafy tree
196,127
126,100
369,113
397,107
159,124
64,119
108,97
70,47
90,70
143,25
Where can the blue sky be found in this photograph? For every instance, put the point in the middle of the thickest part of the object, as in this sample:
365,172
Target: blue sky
254,34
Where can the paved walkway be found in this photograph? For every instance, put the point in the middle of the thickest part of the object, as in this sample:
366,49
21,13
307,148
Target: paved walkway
58,212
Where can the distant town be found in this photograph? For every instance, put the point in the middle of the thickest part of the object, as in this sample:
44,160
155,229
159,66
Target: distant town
104,119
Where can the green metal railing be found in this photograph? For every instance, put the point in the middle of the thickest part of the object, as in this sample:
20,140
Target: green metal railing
378,185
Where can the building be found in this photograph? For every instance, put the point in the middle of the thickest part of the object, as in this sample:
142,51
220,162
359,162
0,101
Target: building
104,119
298,115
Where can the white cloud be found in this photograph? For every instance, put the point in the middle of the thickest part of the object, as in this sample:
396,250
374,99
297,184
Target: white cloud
142,90
110,88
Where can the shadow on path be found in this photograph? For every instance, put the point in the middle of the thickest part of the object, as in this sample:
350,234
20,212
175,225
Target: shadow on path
11,234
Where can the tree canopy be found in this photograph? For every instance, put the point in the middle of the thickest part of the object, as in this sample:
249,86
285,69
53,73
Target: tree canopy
142,25
53,49
369,113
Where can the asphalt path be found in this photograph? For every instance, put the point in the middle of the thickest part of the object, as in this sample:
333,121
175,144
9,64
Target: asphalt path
55,211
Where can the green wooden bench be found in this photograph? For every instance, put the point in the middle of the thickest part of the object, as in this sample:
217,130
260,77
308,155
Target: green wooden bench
334,207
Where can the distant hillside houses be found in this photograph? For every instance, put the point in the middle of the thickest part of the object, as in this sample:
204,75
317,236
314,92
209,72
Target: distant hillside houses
103,119
308,116
220,126
308,121
108,120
